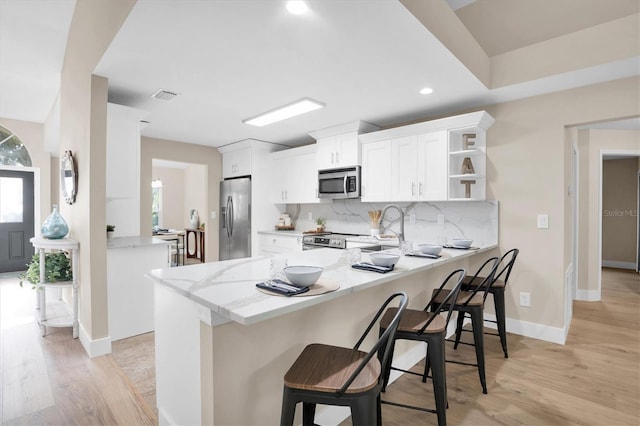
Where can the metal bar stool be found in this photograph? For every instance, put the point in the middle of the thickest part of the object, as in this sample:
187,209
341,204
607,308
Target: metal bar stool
497,289
429,327
334,375
472,303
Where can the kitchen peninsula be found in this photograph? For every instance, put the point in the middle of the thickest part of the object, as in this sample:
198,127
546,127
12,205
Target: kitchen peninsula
222,346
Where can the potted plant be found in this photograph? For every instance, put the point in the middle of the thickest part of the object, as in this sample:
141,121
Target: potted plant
57,267
110,230
320,222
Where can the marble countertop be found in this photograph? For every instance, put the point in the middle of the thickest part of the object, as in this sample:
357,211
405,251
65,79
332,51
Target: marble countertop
225,291
132,242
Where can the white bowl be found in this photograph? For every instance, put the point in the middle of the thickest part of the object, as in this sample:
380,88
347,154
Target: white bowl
461,242
384,259
430,249
303,275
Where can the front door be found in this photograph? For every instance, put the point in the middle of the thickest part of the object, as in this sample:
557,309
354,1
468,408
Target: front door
16,219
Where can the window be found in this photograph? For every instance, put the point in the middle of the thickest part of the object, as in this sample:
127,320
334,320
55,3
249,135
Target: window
10,200
12,151
156,203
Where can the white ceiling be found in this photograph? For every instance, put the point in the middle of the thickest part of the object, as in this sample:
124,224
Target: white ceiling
231,60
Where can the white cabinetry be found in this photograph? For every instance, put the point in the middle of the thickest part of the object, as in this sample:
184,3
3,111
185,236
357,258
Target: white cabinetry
376,171
294,178
338,151
428,161
275,244
339,146
236,163
123,169
43,246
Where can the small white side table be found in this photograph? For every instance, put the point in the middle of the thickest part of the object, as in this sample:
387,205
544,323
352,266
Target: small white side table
42,245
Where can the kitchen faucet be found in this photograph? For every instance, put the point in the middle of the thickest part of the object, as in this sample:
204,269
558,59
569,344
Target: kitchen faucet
384,210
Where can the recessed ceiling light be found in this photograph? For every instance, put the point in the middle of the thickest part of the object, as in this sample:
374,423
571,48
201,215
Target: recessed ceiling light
282,113
426,90
296,7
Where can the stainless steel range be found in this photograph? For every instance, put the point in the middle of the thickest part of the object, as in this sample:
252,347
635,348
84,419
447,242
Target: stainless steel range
329,240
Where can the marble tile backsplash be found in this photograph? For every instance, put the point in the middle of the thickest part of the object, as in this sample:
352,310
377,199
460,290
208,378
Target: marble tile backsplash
477,220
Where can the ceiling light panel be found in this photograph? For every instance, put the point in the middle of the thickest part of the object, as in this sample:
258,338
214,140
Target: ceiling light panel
299,107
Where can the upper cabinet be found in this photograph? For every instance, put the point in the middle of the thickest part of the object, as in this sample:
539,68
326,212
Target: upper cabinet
431,161
294,176
419,167
123,151
236,163
123,168
338,146
376,175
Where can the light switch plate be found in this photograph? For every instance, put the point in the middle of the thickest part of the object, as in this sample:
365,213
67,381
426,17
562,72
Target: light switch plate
213,215
543,221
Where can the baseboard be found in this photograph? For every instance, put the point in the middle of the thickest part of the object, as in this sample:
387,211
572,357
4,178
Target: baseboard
530,329
618,265
588,295
96,347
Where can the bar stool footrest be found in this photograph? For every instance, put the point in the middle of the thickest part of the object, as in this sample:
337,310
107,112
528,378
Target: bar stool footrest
412,407
461,363
409,372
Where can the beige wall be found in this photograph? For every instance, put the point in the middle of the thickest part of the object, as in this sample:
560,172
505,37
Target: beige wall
172,196
526,173
195,195
208,157
619,215
83,109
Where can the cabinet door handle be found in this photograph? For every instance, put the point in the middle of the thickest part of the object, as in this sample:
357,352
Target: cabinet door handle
286,195
337,157
413,188
420,188
332,157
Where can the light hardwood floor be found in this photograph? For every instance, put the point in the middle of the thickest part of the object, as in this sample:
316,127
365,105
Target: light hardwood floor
592,380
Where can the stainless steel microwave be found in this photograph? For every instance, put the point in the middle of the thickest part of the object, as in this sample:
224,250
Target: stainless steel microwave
339,183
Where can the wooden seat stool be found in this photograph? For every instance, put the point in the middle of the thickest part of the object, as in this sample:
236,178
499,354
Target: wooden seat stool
334,375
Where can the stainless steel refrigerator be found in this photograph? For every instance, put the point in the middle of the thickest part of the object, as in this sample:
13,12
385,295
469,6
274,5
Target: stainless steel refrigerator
235,218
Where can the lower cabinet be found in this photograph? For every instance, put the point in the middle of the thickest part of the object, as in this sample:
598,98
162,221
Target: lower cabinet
270,244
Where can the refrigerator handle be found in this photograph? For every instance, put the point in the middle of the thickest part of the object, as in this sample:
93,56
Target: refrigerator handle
230,216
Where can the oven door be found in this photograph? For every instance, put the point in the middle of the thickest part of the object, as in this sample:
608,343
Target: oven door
339,183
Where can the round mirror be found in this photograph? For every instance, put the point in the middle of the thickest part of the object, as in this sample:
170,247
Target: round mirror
68,177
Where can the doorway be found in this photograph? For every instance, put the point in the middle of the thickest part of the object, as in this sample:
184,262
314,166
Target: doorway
17,206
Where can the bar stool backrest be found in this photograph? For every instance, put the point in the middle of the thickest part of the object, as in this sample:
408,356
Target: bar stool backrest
506,270
449,300
385,340
489,265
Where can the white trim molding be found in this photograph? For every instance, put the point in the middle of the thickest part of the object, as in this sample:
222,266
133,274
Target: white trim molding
96,347
530,329
588,295
618,264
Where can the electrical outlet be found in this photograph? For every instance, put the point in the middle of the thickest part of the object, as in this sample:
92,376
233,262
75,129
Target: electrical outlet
310,216
525,299
440,219
412,218
543,221
213,215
